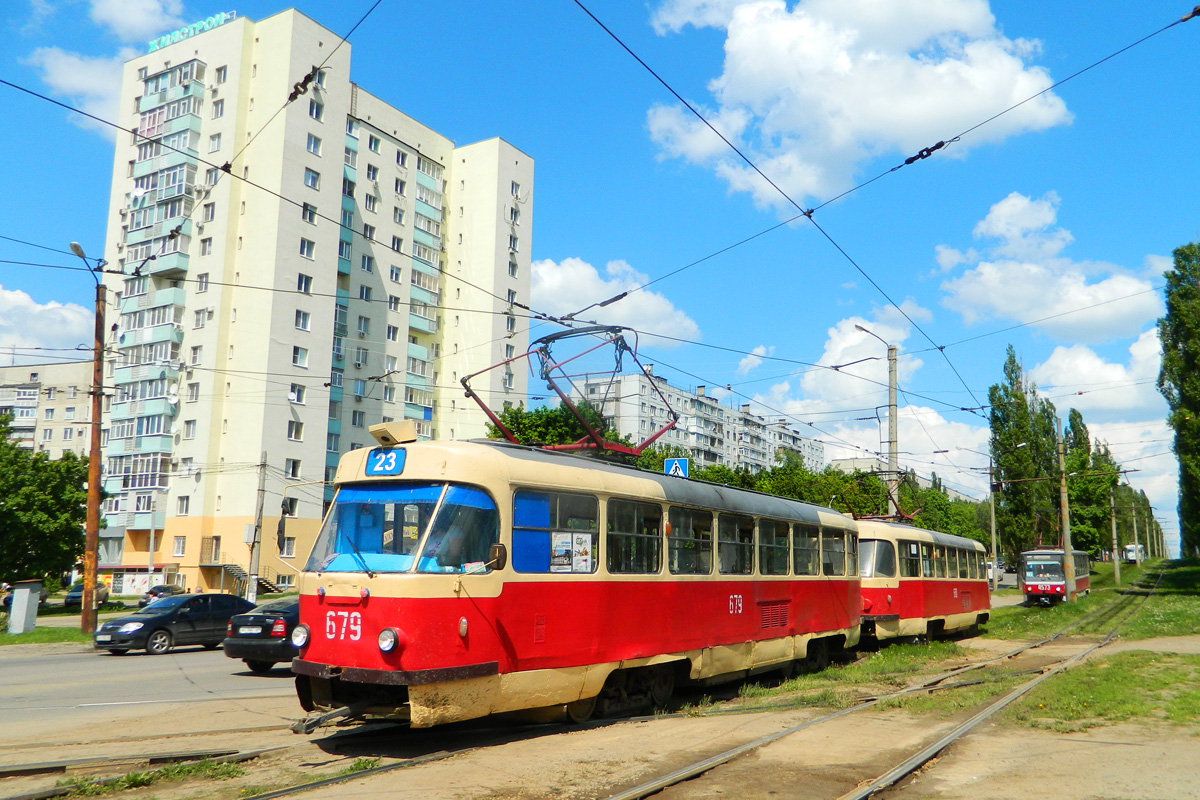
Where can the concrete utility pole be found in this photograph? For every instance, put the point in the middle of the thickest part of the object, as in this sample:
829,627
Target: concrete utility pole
256,544
1068,550
1116,551
91,539
1137,556
893,486
992,513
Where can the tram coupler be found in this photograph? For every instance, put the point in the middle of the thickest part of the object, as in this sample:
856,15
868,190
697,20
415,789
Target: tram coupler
314,721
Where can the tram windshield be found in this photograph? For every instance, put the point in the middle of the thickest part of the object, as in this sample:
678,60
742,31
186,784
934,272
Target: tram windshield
876,558
1043,571
410,527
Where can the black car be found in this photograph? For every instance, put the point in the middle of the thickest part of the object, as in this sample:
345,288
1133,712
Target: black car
262,637
179,619
159,592
74,595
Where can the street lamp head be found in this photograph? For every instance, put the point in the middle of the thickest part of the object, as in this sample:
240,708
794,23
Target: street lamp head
77,250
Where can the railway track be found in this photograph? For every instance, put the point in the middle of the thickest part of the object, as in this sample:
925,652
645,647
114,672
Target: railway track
1108,617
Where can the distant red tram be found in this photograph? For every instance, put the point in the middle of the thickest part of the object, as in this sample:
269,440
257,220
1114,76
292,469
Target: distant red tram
917,582
453,580
1043,578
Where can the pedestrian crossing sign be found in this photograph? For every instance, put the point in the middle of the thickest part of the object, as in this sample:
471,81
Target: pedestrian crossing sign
676,466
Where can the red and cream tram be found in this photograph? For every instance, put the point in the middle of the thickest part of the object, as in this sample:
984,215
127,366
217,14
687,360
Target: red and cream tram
917,582
1043,579
452,580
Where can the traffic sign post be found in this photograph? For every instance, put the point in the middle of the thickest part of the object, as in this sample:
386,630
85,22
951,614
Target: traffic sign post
676,466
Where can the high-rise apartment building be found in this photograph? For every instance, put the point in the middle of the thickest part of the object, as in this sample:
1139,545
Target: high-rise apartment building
50,406
293,272
713,434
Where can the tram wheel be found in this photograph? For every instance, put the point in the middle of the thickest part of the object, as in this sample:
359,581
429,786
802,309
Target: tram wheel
581,710
661,683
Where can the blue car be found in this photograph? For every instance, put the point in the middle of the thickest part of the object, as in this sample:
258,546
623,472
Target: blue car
176,620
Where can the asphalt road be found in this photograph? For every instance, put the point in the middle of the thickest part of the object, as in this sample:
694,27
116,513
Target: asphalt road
48,692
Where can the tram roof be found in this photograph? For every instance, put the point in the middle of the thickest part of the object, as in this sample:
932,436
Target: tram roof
682,491
899,529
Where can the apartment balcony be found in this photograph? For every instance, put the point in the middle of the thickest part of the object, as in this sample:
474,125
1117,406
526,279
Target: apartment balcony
192,88
166,264
162,297
169,332
418,323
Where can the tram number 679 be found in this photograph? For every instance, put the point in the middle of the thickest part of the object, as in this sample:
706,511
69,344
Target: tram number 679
735,604
338,623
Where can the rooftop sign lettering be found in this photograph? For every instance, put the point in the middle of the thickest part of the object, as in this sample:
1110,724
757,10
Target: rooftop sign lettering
188,31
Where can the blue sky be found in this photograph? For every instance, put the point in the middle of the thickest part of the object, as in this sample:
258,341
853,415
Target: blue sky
1048,228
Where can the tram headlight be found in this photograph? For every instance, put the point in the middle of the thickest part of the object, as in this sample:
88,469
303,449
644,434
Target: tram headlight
392,640
300,635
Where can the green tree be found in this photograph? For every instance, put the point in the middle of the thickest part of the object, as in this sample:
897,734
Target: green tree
42,511
1179,382
1025,461
548,424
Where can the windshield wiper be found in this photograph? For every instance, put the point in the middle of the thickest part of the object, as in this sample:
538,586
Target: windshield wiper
358,554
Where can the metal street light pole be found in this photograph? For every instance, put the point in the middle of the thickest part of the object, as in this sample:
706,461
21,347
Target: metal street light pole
91,540
893,439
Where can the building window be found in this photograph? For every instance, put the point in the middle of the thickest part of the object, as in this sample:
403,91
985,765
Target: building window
512,269
393,303
360,388
510,323
514,215
304,283
512,297
344,250
222,75
352,128
218,109
360,356
369,232
209,212
397,245
308,213
306,248
312,178
373,143
314,145
331,442
510,351
394,274
197,354
295,430
193,392
199,317
364,292
302,320
401,158
214,143
358,418
369,202
516,189
291,467
316,110
372,172
513,243
47,434
368,264
299,356
364,326
202,282
393,333
389,394
189,429
296,393
399,185
398,215
206,246
348,187
180,541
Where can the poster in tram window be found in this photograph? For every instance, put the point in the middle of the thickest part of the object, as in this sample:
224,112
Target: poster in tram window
560,552
581,553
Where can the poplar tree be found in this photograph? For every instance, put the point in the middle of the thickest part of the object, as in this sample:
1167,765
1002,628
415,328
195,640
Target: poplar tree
1179,382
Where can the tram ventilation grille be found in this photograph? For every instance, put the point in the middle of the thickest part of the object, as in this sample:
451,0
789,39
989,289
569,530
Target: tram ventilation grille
774,614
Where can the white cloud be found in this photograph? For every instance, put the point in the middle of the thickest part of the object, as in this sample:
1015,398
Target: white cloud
1076,377
753,359
813,93
25,323
137,20
90,84
1024,277
564,287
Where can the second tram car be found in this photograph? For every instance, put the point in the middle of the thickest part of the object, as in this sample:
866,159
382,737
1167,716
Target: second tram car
1043,579
453,580
1135,553
917,582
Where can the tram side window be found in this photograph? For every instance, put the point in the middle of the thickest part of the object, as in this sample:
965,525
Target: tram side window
689,541
926,561
772,547
939,561
878,558
851,554
555,532
833,552
972,565
806,549
951,562
634,543
910,560
963,555
735,544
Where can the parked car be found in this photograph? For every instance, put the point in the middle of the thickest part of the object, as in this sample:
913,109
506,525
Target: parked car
158,592
262,637
175,620
74,595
